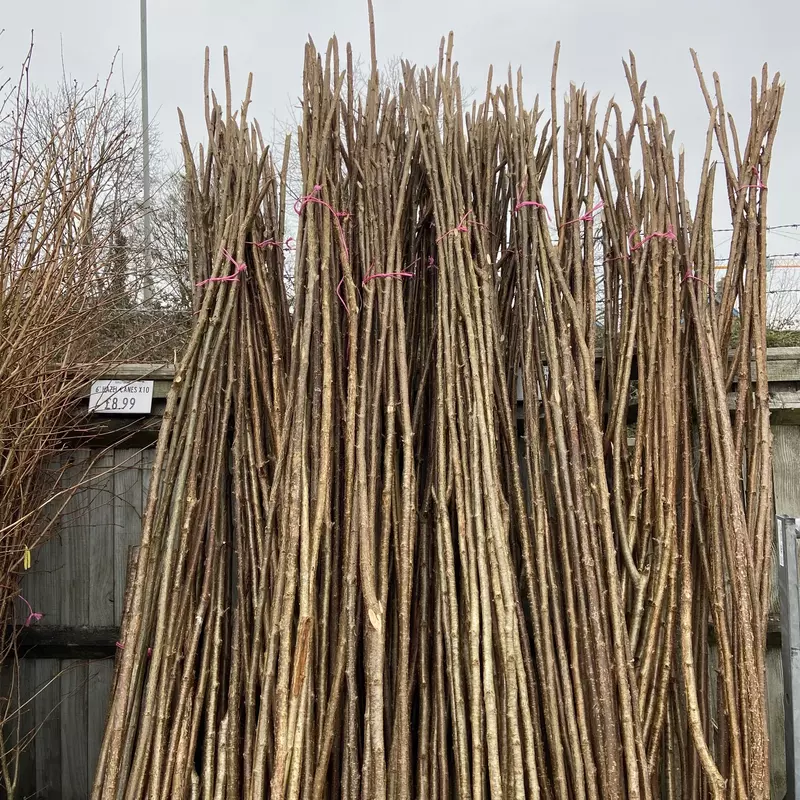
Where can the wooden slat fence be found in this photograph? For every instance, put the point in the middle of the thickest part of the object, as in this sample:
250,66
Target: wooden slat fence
77,581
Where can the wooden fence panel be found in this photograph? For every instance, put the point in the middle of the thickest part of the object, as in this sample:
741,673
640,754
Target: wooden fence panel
73,591
128,494
78,581
101,535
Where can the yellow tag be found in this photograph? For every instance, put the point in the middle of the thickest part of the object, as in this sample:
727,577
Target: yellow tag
26,559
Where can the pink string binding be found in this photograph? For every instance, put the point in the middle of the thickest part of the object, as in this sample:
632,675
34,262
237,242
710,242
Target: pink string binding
690,276
759,184
668,234
273,243
303,201
341,299
33,616
530,203
233,277
460,228
122,647
588,216
386,275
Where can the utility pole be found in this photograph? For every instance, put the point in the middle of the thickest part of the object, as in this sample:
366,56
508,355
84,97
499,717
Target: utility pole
147,283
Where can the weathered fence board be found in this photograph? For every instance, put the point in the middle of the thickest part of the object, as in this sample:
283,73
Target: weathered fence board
102,535
47,712
101,675
77,582
74,727
74,544
128,497
786,487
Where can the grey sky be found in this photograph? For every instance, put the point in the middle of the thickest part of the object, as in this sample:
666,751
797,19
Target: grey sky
733,37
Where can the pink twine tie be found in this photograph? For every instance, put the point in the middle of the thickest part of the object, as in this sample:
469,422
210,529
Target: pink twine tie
691,276
460,228
233,277
758,184
588,216
341,299
386,275
273,243
531,203
122,647
303,201
668,234
33,616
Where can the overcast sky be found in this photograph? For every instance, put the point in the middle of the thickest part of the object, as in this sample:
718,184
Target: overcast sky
733,37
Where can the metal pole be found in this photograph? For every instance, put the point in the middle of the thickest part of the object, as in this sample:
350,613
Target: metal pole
787,532
147,283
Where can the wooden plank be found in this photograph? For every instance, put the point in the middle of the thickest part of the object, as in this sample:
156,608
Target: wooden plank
74,728
41,585
101,542
127,518
776,722
47,711
101,675
785,471
145,371
785,465
75,545
783,369
68,641
105,432
26,777
148,458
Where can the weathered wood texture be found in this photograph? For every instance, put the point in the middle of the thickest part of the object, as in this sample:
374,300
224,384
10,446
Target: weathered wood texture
785,472
77,581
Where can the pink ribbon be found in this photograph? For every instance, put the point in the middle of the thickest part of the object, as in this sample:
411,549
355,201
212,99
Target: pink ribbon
273,243
34,616
341,299
460,228
531,203
759,183
668,234
588,216
303,201
386,275
233,277
149,649
690,275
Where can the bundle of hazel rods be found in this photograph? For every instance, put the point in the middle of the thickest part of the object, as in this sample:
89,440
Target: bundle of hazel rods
368,571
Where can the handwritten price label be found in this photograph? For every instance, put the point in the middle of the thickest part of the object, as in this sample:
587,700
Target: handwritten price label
121,397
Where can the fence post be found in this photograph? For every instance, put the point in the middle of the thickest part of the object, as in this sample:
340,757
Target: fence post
787,534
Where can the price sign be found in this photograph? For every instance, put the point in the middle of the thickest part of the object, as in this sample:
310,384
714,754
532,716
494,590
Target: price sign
121,397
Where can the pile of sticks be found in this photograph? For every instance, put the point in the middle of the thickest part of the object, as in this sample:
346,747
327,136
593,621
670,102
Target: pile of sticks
367,569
